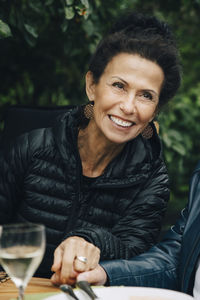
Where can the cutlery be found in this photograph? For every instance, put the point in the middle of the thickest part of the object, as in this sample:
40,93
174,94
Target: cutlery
85,286
68,290
3,277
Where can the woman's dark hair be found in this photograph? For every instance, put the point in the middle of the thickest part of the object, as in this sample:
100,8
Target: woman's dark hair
148,37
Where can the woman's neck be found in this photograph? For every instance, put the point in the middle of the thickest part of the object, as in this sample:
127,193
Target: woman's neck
96,152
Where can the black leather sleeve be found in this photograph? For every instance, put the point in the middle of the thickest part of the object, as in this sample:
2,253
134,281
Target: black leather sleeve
155,268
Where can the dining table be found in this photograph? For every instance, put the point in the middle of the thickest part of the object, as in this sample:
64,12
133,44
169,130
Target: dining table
42,288
35,289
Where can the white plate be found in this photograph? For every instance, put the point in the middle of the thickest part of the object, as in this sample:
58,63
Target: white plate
126,293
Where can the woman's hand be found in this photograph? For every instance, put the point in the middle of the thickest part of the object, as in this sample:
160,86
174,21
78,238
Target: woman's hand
95,277
66,264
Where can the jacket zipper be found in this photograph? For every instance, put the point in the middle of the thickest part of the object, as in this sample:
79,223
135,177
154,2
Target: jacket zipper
77,198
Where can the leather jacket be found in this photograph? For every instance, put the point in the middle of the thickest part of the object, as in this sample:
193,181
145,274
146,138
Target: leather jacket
171,263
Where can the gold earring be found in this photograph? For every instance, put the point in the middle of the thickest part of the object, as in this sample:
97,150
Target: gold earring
147,133
88,110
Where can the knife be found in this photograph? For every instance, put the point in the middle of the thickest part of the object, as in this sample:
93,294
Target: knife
68,290
85,286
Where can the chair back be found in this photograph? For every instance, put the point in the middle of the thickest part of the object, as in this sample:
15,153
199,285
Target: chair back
19,119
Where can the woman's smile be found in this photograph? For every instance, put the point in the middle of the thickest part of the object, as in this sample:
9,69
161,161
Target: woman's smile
120,122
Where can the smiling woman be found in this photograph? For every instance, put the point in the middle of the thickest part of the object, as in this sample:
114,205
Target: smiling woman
97,179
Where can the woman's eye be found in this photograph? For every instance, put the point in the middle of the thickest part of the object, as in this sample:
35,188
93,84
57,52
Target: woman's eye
119,85
147,95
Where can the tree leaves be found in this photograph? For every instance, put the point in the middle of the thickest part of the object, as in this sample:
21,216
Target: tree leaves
174,140
31,30
85,3
69,12
69,2
4,30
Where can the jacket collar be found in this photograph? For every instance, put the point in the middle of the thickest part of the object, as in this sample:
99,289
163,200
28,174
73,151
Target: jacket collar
139,154
66,132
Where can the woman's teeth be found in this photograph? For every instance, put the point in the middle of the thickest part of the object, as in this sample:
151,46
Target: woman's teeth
121,122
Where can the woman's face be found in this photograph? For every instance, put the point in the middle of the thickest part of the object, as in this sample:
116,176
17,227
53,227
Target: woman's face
126,96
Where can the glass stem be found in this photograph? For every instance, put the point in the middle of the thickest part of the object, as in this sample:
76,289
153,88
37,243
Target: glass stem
21,293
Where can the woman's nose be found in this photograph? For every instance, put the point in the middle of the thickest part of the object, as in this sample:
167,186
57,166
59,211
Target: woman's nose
128,105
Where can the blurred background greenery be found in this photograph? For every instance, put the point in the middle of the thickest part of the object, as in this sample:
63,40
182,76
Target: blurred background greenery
45,47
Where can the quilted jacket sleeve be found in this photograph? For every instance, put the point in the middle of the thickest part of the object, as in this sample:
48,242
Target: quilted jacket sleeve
12,167
14,162
139,227
156,268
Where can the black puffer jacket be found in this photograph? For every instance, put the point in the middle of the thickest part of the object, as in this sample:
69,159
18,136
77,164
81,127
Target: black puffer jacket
120,211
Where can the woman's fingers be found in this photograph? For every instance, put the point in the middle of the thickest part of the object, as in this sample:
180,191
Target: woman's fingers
87,257
63,261
72,256
95,257
58,254
79,265
96,276
69,253
56,279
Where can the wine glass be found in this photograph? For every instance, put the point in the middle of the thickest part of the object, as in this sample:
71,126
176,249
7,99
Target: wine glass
22,248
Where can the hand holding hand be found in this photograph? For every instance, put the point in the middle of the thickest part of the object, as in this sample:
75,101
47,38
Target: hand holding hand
95,277
67,259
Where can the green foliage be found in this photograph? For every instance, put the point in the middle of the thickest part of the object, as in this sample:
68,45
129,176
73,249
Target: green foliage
50,48
4,30
179,131
45,47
